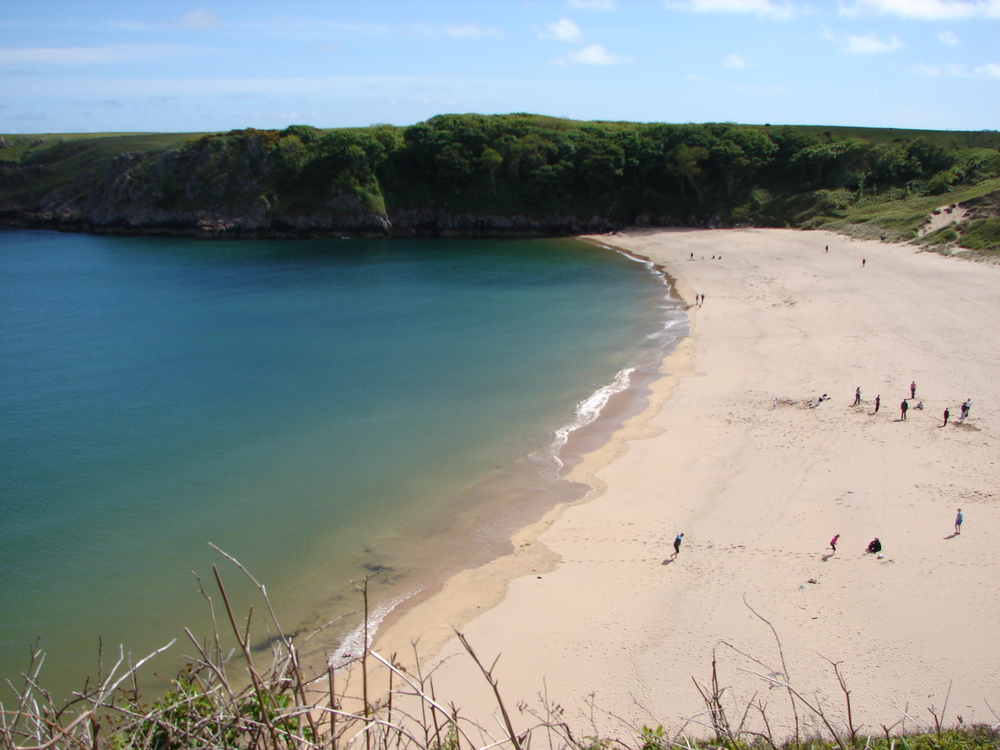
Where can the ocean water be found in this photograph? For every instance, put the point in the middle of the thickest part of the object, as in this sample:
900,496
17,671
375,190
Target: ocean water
322,410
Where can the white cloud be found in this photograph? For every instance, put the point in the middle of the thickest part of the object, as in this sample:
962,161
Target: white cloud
734,61
473,31
947,37
113,53
593,54
593,4
200,20
762,8
957,70
563,30
926,9
870,44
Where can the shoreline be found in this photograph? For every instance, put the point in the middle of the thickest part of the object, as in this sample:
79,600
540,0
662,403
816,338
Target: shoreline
572,484
588,606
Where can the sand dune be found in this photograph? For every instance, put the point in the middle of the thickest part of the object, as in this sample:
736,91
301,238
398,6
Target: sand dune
731,453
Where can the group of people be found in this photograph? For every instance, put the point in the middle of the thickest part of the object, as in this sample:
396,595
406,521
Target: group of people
875,545
904,405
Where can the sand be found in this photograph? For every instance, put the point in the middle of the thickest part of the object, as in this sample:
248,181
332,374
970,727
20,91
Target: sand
594,613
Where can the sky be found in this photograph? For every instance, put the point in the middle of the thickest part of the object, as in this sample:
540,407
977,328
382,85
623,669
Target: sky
218,65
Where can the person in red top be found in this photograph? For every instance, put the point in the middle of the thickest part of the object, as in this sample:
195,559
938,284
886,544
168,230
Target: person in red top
833,542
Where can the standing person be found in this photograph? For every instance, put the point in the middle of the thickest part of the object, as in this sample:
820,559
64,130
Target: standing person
878,402
967,404
862,262
677,544
857,396
833,542
946,415
958,522
902,408
913,389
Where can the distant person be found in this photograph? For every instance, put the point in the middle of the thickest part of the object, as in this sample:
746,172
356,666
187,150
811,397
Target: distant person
903,406
692,257
946,415
820,400
966,406
878,403
920,405
913,389
833,542
857,396
827,249
677,544
874,546
958,522
862,262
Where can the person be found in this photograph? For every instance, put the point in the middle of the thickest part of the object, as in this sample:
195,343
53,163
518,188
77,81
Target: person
874,546
903,406
827,249
833,542
857,396
920,405
692,257
862,262
958,522
966,405
946,415
677,544
878,402
820,400
913,389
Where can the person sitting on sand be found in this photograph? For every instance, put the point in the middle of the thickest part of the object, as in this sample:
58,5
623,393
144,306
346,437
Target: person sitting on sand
820,400
874,546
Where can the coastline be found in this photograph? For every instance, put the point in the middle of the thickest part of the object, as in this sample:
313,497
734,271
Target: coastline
728,450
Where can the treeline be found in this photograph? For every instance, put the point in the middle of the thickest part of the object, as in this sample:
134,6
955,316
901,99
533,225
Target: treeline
543,166
502,165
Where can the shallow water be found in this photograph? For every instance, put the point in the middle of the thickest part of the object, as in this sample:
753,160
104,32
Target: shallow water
322,410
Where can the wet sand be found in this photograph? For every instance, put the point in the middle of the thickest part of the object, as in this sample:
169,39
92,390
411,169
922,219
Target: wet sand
731,452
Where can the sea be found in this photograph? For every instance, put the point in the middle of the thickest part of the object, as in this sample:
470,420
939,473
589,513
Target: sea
288,423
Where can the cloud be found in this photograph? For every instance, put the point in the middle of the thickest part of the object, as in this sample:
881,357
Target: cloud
870,45
563,30
200,20
762,8
593,54
203,19
957,70
734,61
927,10
473,31
112,53
593,4
946,37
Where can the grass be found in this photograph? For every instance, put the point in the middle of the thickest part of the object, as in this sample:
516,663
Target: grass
898,219
982,234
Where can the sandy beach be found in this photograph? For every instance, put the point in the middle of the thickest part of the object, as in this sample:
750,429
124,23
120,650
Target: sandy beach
596,613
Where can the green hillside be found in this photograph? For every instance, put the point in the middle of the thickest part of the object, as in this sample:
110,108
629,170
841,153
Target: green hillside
491,174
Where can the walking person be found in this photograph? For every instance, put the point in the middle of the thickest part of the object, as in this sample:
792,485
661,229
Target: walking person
913,389
833,542
878,402
966,405
862,262
857,396
677,544
903,406
946,415
958,522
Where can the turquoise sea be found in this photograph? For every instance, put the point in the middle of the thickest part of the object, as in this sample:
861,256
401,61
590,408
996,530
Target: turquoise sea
322,410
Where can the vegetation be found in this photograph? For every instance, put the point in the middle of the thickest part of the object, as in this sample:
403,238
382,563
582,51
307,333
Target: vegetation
218,702
881,182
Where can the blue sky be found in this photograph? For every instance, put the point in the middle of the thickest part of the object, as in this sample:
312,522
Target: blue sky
89,66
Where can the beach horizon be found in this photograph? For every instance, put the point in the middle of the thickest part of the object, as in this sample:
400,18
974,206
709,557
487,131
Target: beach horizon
737,449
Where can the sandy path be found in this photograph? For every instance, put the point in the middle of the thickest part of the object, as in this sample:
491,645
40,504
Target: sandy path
759,490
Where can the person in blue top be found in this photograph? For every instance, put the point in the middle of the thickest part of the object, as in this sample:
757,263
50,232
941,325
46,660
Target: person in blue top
958,522
677,544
